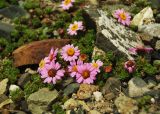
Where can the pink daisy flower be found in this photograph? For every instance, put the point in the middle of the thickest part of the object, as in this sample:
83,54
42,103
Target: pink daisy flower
140,49
86,74
97,64
70,53
73,28
52,55
73,67
66,4
123,17
130,66
52,72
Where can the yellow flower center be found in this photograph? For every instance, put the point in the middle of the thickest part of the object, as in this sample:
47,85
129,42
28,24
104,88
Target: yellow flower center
86,74
123,16
41,64
95,65
74,68
74,27
66,2
70,51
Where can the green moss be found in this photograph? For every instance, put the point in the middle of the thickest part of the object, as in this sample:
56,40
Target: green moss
3,4
36,22
48,10
86,43
8,71
34,85
144,100
58,109
17,95
31,4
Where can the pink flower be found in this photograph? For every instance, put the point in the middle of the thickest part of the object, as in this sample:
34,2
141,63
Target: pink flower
73,28
129,66
66,4
86,74
73,67
122,16
52,55
70,53
52,72
97,64
140,49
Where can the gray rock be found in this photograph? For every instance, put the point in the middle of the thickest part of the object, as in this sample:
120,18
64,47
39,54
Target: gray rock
139,18
112,85
94,112
38,102
24,79
151,84
114,36
3,98
67,81
137,87
151,29
71,88
13,11
5,30
157,47
3,85
126,105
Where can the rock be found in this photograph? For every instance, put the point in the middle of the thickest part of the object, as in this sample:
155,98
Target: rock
71,88
5,30
72,104
103,107
157,47
112,85
30,71
111,35
94,2
126,105
98,52
6,102
85,91
3,85
158,78
146,38
151,29
68,81
13,11
24,78
13,88
94,112
137,87
144,14
3,98
151,84
20,112
98,96
109,96
38,102
36,51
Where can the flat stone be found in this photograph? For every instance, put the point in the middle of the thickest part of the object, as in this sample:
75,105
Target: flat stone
112,85
7,101
5,30
85,91
71,88
38,102
157,47
144,14
3,98
151,29
13,11
24,78
98,52
94,112
34,52
115,37
126,105
3,85
137,87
